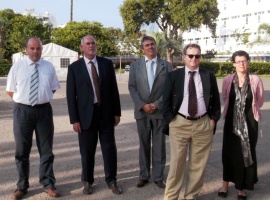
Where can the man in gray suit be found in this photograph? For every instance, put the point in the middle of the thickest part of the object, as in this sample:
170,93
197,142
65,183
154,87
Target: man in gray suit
146,79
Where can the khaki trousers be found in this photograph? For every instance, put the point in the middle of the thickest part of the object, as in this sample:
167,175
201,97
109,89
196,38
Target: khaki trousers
197,135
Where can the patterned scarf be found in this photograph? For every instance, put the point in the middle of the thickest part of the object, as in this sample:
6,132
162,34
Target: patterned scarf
239,118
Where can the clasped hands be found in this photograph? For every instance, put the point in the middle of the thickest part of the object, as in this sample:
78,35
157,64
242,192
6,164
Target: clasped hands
149,108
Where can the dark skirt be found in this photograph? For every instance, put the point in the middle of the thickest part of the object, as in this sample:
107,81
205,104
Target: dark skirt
234,169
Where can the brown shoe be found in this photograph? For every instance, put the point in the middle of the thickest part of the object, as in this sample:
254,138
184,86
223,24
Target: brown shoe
141,183
160,184
52,192
115,189
18,194
87,188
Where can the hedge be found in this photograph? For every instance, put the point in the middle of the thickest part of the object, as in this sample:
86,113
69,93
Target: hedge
4,68
222,68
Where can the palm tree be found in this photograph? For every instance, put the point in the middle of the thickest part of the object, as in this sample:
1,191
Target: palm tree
167,47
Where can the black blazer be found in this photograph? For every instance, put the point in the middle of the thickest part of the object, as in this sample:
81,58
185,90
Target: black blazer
173,95
80,94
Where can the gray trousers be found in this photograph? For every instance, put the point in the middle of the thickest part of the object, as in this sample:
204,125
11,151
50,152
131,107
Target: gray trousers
150,135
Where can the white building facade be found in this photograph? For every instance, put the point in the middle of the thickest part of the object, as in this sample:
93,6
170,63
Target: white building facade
46,17
236,16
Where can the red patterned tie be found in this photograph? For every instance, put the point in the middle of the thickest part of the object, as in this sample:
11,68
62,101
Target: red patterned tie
192,99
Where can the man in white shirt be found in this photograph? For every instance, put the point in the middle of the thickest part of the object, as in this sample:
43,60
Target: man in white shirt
31,83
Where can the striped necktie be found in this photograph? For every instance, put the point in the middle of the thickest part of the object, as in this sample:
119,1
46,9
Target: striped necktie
34,86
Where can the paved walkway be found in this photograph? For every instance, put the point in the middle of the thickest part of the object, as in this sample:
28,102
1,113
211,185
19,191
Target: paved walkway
67,160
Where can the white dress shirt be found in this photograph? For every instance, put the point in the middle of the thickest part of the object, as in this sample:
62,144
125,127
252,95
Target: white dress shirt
154,64
19,81
88,65
199,91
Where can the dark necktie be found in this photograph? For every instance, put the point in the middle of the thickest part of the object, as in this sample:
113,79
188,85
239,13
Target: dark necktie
95,80
33,96
192,99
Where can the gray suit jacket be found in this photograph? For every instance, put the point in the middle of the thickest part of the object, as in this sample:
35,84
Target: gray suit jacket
139,89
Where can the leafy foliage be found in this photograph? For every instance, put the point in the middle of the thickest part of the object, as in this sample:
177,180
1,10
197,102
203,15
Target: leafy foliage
172,16
263,36
241,36
70,36
16,29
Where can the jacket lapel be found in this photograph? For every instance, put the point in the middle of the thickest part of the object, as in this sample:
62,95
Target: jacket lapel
179,85
142,67
206,86
100,69
160,66
84,71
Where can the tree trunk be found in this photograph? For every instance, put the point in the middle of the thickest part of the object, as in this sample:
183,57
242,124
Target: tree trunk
170,53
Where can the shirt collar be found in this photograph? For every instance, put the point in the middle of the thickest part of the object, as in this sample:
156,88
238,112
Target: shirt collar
154,59
30,62
188,70
94,60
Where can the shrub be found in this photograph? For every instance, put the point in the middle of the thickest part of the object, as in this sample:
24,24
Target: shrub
4,67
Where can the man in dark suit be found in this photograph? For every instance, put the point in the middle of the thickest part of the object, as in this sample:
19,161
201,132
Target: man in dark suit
146,79
94,109
192,109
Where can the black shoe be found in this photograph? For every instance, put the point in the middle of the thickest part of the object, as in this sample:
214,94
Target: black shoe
141,183
242,197
160,184
18,194
115,189
87,188
223,194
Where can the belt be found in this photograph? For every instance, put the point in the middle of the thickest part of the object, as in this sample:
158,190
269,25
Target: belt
192,118
35,106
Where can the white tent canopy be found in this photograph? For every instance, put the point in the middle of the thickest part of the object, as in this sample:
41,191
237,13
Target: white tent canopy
59,56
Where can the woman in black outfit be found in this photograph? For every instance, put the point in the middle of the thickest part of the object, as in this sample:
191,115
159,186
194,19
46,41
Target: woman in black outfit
243,97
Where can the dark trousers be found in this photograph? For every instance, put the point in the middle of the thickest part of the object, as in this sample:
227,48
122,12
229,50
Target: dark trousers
26,120
152,144
88,142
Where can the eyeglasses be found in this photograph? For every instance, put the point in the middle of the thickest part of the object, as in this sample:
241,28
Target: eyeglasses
240,62
191,56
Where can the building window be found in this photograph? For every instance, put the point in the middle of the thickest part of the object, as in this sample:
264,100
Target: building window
224,23
246,2
259,18
246,20
64,62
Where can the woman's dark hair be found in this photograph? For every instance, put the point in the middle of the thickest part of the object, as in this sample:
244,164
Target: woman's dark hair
240,53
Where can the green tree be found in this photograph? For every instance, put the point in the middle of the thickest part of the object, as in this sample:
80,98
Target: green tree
209,54
172,16
167,46
70,37
263,35
17,28
241,36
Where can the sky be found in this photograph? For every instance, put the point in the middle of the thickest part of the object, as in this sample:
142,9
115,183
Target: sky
104,11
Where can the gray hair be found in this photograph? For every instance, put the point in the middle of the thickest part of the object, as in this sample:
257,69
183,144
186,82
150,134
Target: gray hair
191,46
82,40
